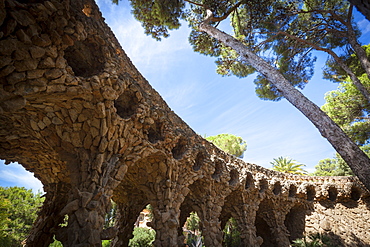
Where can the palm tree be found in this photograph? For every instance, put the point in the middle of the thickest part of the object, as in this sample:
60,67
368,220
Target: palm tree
288,165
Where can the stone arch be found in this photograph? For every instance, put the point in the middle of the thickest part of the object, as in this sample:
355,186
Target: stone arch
85,58
295,222
232,203
232,233
264,222
127,104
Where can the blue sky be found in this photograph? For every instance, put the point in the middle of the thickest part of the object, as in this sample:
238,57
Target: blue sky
211,104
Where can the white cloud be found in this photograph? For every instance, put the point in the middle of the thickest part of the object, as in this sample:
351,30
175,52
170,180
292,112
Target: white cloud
364,25
15,175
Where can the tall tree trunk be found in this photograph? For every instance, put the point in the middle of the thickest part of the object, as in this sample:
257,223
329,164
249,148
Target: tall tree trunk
362,6
359,51
350,152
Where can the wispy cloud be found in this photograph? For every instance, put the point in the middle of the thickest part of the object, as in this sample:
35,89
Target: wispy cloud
145,52
15,175
364,25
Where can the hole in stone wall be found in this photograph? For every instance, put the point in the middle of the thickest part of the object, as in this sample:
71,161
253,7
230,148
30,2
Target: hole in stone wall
248,181
234,177
277,188
295,222
199,160
179,150
292,191
218,170
126,104
311,192
85,58
333,193
355,193
155,133
263,185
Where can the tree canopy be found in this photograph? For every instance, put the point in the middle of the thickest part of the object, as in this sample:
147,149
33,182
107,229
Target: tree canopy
288,165
336,166
229,143
276,40
18,211
346,105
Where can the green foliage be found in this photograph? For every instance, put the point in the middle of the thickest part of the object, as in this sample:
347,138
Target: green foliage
193,233
336,166
283,32
105,243
288,165
314,240
348,107
143,237
56,243
231,234
158,16
229,143
110,217
192,223
335,73
18,211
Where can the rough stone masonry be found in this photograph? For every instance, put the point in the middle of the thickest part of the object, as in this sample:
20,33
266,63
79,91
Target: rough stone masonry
75,111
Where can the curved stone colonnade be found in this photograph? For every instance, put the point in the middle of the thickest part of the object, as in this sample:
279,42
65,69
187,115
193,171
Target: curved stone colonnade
77,113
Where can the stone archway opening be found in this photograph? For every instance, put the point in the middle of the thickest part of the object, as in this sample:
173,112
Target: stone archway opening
143,234
264,222
264,231
295,222
192,230
232,233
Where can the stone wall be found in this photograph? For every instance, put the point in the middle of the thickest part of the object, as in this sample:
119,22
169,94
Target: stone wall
75,111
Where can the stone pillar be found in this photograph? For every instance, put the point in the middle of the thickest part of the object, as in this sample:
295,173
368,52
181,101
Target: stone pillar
48,220
127,216
89,199
211,225
165,223
246,217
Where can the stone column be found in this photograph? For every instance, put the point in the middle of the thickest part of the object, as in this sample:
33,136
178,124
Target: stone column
48,220
89,200
165,223
246,217
127,216
211,225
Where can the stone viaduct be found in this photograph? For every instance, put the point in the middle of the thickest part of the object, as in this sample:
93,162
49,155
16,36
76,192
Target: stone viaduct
75,111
